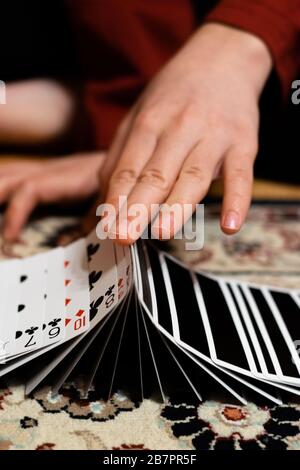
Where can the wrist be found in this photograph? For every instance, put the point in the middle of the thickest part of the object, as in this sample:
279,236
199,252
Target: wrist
239,49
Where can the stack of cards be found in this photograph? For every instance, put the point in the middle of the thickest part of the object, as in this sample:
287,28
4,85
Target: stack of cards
138,319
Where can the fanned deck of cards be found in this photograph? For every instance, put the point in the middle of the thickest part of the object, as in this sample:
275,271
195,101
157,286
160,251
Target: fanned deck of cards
136,319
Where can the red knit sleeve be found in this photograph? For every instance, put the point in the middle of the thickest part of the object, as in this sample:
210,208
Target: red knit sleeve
276,22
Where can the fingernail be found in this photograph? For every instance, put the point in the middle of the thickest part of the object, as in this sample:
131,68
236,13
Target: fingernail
231,220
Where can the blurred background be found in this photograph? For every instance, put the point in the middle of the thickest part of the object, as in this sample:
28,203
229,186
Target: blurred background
38,42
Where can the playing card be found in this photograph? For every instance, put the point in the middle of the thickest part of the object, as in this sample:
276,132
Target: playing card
188,331
9,300
31,304
103,277
76,289
278,331
185,305
54,325
158,300
123,267
147,286
129,267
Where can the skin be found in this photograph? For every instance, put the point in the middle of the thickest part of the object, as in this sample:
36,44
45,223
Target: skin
25,185
40,111
197,119
36,111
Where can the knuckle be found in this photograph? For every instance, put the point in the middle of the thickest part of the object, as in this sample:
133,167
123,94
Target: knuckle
154,177
184,119
127,175
178,201
195,172
146,121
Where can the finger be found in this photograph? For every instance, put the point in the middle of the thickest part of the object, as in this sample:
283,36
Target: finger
139,147
90,220
18,211
157,177
115,151
52,186
238,180
190,188
39,189
9,184
11,168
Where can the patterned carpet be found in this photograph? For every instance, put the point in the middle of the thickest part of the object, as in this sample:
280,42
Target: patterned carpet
267,250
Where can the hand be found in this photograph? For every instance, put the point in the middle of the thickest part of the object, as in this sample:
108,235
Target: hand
25,184
199,117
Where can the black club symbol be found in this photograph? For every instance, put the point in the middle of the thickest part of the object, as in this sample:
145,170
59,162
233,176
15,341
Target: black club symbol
92,249
94,277
94,307
31,330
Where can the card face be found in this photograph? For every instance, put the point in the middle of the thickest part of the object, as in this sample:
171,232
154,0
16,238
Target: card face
31,304
54,325
237,328
9,301
123,267
103,277
77,289
129,267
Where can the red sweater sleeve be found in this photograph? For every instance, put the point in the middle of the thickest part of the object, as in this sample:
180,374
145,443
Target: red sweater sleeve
122,44
276,22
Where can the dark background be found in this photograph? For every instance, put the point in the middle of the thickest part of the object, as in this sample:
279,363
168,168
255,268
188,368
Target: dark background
36,40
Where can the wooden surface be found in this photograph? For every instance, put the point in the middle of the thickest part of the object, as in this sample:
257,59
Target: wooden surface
266,190
261,189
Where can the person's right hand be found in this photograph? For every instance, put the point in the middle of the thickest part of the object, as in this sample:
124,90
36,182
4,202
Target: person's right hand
197,118
26,184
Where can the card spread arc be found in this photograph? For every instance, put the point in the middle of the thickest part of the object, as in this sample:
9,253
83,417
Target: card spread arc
136,318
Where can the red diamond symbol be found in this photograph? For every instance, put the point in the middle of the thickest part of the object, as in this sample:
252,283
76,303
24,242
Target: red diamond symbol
67,320
67,301
79,313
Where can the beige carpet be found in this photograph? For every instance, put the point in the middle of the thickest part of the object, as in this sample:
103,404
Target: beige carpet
268,251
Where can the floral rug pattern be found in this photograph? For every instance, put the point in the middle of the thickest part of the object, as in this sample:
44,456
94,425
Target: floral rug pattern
268,251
